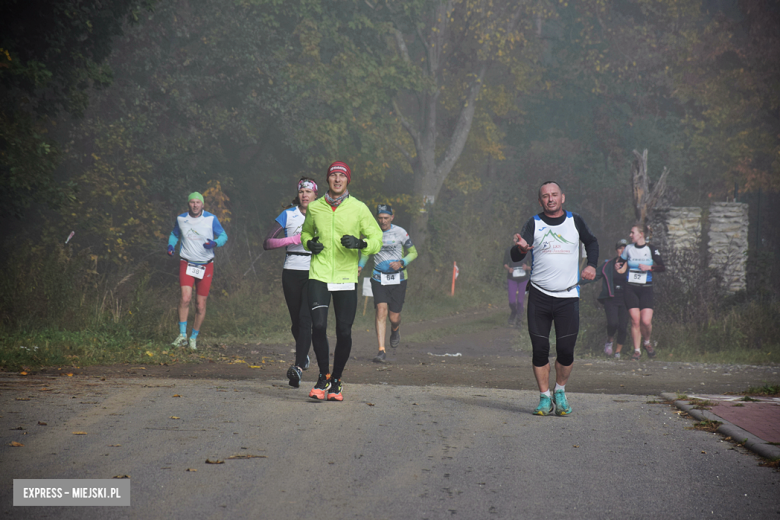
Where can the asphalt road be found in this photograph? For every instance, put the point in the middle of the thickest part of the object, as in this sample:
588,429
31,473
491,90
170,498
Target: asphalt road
386,452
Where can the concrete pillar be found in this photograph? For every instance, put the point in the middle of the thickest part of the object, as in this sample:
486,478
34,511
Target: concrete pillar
728,242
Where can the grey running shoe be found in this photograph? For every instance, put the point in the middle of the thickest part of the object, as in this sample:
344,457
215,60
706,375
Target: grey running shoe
608,348
650,350
295,375
193,343
561,403
306,366
380,358
637,355
617,355
395,337
180,341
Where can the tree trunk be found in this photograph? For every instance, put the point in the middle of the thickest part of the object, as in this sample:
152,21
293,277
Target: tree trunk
644,199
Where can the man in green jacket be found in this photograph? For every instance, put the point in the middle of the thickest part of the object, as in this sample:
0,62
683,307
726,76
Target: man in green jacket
331,231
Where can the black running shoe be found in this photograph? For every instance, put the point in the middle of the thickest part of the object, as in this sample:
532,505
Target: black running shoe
380,358
294,374
306,365
395,337
334,393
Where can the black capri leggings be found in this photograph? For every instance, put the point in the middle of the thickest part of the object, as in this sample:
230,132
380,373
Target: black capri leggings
617,318
344,306
295,285
543,310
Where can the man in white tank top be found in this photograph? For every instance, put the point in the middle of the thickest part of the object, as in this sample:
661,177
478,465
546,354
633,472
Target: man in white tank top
553,238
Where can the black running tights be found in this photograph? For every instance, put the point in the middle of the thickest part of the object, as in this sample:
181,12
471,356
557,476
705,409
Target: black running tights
295,285
543,310
617,319
344,307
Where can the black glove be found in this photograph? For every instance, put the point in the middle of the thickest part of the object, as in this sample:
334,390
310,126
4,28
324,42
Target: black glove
351,242
314,246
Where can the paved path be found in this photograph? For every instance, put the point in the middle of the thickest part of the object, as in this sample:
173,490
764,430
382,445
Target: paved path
385,452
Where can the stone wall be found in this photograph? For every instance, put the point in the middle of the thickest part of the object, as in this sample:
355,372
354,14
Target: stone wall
676,228
680,229
728,242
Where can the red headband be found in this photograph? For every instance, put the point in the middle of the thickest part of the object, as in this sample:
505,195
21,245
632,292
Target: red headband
339,166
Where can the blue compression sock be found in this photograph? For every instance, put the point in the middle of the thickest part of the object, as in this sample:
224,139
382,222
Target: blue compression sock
183,328
194,334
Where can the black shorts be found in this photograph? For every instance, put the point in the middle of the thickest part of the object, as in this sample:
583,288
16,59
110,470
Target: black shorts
392,295
638,296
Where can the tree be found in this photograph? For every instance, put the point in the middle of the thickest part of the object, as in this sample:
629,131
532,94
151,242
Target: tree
42,77
452,46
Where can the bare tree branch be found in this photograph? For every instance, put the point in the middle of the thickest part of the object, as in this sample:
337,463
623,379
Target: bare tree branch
399,41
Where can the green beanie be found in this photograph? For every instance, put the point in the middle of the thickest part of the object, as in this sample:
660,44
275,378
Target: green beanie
196,195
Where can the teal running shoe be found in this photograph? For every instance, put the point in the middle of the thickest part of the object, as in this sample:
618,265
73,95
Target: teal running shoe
545,407
561,404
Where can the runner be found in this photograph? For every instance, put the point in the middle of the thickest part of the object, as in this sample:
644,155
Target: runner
388,281
554,237
516,281
295,274
200,232
332,232
613,276
643,260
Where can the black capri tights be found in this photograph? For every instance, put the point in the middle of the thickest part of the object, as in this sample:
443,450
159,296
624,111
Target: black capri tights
344,307
543,310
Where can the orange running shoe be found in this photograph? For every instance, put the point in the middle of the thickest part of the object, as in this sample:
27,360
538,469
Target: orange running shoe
322,386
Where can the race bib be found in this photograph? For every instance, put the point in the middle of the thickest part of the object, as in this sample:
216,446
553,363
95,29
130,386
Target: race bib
518,272
196,271
638,278
390,279
341,287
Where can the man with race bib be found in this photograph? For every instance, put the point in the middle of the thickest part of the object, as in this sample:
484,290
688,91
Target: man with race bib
388,281
331,231
643,262
553,237
200,233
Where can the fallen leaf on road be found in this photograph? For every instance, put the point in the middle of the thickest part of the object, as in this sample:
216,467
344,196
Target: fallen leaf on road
209,461
248,457
575,446
79,433
22,373
114,445
15,444
704,452
41,423
174,417
176,395
22,398
121,476
150,354
17,428
192,469
69,374
370,404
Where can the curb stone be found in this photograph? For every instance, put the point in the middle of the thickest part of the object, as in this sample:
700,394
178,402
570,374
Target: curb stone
753,443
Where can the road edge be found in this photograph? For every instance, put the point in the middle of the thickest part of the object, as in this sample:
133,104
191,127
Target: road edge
751,442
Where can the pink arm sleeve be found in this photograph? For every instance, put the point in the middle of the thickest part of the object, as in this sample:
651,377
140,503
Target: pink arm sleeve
273,243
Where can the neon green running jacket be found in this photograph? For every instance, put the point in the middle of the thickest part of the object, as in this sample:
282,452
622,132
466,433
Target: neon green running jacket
336,263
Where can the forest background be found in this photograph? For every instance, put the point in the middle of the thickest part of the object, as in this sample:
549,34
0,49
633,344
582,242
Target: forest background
453,111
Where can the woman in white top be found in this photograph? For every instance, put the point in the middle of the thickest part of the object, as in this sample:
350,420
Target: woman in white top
295,275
